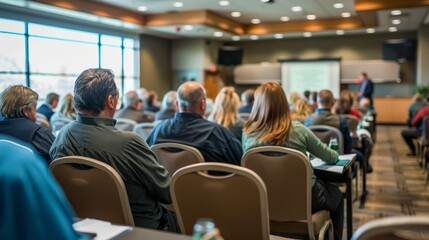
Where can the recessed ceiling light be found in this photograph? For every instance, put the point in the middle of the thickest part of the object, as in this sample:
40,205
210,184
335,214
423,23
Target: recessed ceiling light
278,36
188,27
307,34
311,16
393,29
284,19
218,34
396,21
224,3
370,30
340,32
296,9
236,14
254,37
142,8
267,1
235,38
396,12
338,5
255,21
178,4
346,14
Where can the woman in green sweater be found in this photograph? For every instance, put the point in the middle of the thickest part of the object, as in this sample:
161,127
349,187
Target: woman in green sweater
270,124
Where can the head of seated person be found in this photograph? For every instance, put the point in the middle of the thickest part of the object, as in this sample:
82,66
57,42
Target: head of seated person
32,204
191,98
18,102
325,99
131,100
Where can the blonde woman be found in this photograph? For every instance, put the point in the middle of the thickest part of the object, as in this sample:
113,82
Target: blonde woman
301,110
66,109
270,124
294,96
225,111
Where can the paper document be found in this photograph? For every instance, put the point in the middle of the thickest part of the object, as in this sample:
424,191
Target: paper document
104,230
343,160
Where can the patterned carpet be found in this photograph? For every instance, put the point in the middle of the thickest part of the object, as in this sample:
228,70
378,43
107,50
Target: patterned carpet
397,185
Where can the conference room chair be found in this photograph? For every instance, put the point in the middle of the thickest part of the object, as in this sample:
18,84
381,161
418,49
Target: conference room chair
58,123
124,124
353,123
237,202
93,188
174,156
286,174
325,133
394,228
423,143
144,129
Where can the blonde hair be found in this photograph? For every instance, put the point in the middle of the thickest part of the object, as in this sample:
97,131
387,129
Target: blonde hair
225,109
67,105
301,109
294,96
270,119
14,99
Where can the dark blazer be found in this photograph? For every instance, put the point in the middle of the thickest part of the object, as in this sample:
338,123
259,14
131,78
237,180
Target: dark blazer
46,110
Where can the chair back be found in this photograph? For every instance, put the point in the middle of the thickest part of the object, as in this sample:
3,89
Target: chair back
353,123
286,174
403,227
144,129
325,133
237,202
425,132
174,156
124,124
94,189
58,123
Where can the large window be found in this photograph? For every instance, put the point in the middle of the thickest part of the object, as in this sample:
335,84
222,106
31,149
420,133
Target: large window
48,59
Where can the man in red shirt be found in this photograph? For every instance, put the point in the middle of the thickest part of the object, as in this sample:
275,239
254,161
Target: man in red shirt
413,133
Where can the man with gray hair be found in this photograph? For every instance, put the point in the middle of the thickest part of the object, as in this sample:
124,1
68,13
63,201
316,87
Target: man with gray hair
247,98
131,109
216,143
93,135
168,106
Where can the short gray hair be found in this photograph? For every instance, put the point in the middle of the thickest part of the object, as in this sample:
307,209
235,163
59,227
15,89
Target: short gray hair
169,100
190,96
14,99
130,98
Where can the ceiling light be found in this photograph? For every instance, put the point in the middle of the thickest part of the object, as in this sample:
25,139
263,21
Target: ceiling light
346,14
267,1
393,29
338,5
370,30
396,12
235,38
340,32
296,9
236,14
284,19
142,8
255,21
254,37
218,34
307,34
223,3
178,4
311,17
278,36
188,27
396,21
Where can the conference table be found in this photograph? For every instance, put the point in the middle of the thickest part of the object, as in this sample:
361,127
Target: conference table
342,172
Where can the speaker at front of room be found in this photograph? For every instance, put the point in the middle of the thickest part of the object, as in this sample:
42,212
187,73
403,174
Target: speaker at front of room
229,55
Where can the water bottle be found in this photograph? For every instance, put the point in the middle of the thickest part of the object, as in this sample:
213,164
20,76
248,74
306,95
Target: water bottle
333,144
202,227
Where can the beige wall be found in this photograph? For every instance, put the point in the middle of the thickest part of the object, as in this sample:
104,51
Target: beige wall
423,55
155,64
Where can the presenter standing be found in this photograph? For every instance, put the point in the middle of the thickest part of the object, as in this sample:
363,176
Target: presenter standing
366,89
